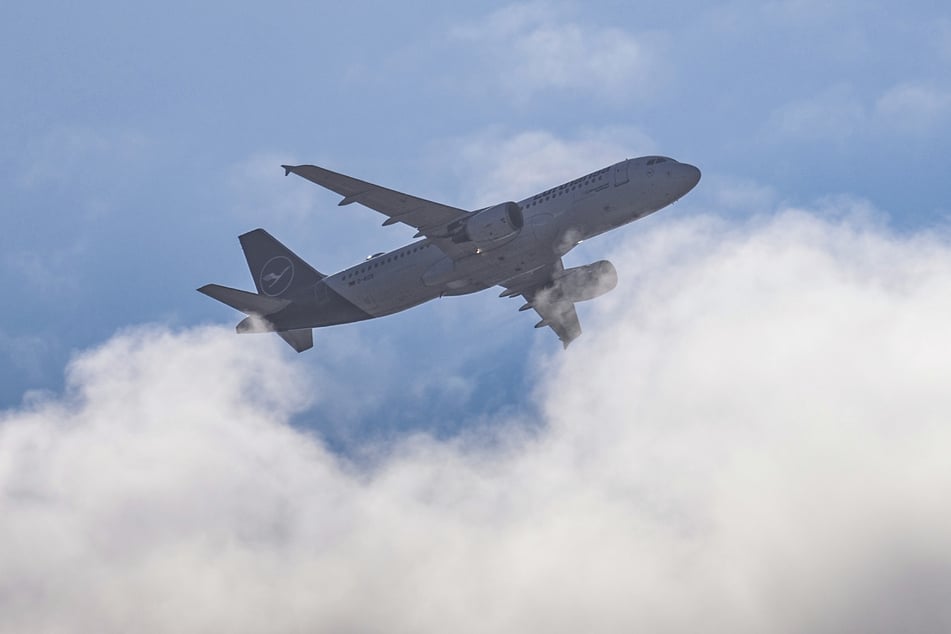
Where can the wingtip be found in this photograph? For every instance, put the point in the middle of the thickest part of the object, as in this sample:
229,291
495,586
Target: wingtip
287,169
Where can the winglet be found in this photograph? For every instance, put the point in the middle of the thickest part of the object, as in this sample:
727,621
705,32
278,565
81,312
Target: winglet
287,169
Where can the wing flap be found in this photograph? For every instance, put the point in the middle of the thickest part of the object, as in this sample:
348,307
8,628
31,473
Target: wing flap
560,317
534,286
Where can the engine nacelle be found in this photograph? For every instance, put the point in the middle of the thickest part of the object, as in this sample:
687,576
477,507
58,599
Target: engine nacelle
582,283
490,227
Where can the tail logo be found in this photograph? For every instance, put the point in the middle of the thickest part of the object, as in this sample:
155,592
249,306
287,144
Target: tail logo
276,276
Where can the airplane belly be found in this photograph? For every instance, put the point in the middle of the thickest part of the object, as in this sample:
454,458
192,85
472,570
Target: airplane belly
405,293
483,270
398,288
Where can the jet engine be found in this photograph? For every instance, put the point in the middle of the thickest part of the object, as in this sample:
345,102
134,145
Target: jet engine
490,227
582,283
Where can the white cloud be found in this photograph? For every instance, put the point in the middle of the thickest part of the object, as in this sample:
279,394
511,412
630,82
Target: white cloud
751,436
534,48
822,34
834,115
737,194
838,115
914,107
50,273
262,190
497,165
80,157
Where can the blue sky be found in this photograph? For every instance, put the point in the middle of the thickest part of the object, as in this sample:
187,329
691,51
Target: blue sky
140,140
750,436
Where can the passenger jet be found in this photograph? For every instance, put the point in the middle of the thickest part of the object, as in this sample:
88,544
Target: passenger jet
516,245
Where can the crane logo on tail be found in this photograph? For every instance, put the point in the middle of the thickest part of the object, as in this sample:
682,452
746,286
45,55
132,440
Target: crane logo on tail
276,276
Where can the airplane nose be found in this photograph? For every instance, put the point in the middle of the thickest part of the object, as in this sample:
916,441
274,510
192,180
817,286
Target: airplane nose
692,175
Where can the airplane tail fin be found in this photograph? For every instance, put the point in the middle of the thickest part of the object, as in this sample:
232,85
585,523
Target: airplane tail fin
258,307
277,271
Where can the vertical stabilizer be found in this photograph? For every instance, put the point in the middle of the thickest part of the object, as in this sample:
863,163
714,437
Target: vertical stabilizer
277,271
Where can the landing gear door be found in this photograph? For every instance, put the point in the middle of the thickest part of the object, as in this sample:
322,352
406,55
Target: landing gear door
620,173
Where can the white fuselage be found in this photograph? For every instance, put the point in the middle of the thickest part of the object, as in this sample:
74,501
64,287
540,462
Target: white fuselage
555,221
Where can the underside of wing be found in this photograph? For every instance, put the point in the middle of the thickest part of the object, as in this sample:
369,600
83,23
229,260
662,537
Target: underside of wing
535,287
427,217
560,317
300,340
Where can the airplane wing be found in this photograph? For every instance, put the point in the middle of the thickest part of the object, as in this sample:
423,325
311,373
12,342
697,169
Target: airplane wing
427,217
559,315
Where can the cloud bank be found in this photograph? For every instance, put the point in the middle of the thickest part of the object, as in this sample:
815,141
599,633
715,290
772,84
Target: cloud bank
752,436
537,48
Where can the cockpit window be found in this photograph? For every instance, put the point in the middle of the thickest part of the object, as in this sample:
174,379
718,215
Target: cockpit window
654,161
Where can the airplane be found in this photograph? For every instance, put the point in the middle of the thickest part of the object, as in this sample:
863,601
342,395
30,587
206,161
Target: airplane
516,245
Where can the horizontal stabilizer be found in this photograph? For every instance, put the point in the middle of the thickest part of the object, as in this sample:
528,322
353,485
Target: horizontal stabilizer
248,303
300,339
